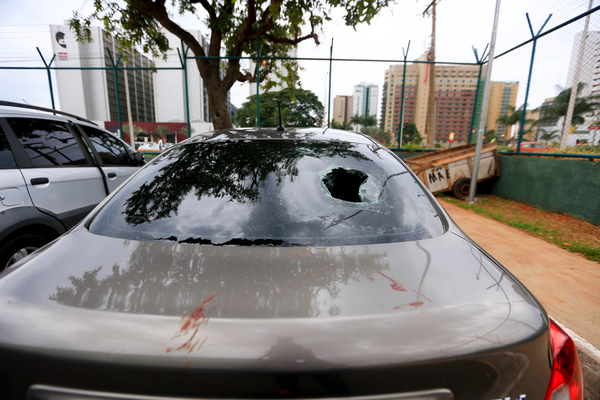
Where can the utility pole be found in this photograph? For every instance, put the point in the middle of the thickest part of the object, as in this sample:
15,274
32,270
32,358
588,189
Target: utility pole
430,130
131,127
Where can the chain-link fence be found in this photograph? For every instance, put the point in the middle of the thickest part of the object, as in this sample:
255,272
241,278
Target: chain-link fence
405,104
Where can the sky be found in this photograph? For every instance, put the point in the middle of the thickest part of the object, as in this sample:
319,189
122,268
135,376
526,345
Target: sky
461,25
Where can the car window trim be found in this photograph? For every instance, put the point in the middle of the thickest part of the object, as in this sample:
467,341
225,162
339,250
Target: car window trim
95,156
90,142
21,158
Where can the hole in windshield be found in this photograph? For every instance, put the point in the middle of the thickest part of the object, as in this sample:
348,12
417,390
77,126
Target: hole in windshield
344,184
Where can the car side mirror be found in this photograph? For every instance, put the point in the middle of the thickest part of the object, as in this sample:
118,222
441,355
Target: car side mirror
139,159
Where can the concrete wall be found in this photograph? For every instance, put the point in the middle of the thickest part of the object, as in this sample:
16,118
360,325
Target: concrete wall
568,186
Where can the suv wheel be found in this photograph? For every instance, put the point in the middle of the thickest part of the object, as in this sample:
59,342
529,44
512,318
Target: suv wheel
19,248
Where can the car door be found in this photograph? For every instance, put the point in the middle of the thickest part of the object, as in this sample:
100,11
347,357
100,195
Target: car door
58,170
13,191
116,158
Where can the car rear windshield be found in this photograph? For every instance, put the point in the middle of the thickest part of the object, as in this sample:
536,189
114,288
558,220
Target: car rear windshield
272,193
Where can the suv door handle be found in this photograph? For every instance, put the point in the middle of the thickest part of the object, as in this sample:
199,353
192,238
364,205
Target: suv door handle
112,175
39,181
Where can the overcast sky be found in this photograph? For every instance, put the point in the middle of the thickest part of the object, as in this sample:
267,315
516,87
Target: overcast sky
461,24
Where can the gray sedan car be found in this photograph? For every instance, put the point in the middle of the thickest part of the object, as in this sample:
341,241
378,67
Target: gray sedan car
250,264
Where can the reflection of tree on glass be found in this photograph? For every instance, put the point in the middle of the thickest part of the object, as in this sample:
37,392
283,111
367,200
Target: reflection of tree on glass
230,169
257,192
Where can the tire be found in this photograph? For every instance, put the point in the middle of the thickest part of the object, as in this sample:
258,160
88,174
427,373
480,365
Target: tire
20,247
461,188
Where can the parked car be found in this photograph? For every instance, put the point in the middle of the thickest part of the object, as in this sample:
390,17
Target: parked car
149,146
53,171
138,144
530,147
254,264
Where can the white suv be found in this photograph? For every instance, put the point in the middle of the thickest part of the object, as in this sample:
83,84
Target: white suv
53,171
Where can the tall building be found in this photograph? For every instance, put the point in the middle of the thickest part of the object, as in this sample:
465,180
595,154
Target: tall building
589,73
589,78
364,100
502,97
342,109
169,85
391,103
293,53
455,89
92,93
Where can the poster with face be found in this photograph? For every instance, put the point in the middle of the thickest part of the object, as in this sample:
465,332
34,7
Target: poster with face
60,39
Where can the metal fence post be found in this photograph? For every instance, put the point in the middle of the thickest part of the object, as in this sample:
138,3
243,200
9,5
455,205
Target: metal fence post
183,61
49,75
117,90
329,94
473,118
535,37
401,127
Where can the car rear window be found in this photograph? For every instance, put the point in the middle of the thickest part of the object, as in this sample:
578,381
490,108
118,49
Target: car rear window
272,193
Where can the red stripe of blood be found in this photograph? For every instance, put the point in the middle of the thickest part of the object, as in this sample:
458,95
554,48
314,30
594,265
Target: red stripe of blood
395,284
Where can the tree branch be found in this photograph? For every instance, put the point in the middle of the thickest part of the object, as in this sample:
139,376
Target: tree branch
294,42
157,8
211,11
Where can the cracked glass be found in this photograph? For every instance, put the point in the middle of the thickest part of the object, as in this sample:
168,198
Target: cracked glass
272,193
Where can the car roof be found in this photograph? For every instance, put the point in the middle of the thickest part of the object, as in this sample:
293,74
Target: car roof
325,134
7,111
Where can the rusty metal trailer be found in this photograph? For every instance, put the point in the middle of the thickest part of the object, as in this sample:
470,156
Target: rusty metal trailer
450,169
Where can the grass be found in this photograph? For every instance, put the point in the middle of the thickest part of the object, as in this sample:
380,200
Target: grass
569,233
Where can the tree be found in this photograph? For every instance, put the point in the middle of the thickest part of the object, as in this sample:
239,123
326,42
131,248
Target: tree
345,126
548,136
490,136
299,108
382,136
234,29
550,114
162,130
410,134
513,117
183,131
137,131
363,120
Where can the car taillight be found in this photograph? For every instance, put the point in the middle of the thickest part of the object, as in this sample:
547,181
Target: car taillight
566,381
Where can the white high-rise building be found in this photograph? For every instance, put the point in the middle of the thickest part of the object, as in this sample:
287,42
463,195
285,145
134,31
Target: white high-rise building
589,75
365,100
92,93
169,86
293,53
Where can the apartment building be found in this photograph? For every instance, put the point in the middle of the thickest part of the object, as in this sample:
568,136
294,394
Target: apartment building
364,99
342,109
91,92
455,88
502,100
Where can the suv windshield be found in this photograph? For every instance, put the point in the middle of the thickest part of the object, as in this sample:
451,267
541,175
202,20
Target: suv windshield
271,193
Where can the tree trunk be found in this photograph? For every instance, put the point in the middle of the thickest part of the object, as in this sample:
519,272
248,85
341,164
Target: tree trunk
217,105
217,91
